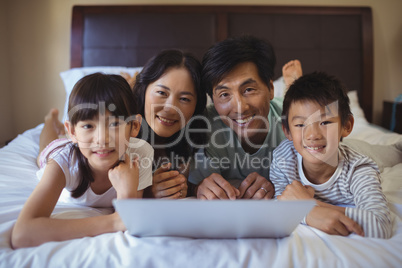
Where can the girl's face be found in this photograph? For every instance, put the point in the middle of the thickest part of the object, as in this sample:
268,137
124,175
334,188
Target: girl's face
104,139
170,102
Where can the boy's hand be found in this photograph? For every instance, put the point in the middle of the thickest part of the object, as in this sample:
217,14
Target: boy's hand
297,191
125,178
216,187
255,186
169,183
332,222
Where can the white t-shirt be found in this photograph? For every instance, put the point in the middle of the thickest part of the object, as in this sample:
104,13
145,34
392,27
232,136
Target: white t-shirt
137,147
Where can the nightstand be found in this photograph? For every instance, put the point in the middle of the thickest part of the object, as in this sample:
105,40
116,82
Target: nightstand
387,115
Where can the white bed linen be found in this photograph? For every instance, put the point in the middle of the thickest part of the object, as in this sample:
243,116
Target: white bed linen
306,247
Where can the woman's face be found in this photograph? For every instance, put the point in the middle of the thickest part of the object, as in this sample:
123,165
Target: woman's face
170,102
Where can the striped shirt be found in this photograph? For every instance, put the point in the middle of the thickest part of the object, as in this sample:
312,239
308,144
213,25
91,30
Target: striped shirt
355,184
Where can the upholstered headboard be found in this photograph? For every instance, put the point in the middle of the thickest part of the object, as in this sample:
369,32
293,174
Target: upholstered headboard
337,40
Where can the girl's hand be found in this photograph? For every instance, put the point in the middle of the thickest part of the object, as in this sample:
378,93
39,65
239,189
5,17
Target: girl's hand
296,191
125,178
118,222
169,183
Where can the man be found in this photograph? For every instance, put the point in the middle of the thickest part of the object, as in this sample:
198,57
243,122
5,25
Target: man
244,121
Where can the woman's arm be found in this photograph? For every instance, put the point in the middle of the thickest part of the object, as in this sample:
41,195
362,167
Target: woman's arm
34,225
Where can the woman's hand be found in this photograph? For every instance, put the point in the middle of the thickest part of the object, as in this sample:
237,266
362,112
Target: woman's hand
169,183
125,178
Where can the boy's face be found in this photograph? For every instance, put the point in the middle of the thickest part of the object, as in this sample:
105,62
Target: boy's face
242,100
316,131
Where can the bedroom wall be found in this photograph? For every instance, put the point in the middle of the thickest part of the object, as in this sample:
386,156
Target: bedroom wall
39,40
6,112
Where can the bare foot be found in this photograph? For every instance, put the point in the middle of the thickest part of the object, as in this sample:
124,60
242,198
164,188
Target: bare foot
291,71
50,132
52,120
130,79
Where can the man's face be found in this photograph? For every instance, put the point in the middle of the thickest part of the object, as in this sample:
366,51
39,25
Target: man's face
242,100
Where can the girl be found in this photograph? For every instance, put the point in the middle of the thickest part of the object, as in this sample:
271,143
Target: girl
170,99
102,118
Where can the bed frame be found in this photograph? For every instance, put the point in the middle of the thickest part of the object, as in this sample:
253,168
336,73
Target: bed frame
337,40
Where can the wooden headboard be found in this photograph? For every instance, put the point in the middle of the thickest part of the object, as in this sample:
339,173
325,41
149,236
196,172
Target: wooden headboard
337,40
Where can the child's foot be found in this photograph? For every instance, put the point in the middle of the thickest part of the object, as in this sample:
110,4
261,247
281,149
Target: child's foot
130,79
291,71
52,120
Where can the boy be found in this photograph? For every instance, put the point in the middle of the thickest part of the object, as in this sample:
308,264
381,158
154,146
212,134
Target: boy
313,163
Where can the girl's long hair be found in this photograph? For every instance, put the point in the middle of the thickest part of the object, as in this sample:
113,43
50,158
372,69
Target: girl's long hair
152,71
89,96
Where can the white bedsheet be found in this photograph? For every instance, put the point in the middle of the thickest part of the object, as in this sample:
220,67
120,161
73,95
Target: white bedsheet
306,247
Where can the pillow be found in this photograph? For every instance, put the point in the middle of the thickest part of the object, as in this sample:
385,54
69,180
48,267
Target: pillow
383,155
71,77
355,108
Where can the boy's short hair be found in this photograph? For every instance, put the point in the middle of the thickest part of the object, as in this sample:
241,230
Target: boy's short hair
320,88
221,58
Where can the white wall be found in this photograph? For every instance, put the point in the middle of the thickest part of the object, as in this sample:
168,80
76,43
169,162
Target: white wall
38,48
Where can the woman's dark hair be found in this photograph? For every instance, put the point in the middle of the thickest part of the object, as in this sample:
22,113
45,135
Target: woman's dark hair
221,58
93,95
156,67
318,87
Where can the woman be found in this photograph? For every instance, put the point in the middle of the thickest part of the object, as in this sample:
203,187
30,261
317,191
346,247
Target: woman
170,99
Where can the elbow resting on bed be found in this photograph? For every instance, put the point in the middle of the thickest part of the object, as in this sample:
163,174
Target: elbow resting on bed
20,238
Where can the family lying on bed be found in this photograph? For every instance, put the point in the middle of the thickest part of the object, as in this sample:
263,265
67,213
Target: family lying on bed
244,129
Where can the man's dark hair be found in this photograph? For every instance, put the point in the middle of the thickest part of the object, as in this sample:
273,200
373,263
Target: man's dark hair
221,58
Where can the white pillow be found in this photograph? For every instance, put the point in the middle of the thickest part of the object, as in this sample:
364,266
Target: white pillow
355,108
383,155
71,77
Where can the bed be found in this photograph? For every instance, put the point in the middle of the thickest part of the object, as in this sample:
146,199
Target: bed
112,39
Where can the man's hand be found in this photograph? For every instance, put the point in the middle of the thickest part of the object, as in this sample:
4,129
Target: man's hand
297,191
255,186
216,187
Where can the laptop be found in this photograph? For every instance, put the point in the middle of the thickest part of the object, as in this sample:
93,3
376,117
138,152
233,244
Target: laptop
212,219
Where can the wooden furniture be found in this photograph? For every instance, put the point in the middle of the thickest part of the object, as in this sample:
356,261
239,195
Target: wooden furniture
337,40
387,114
